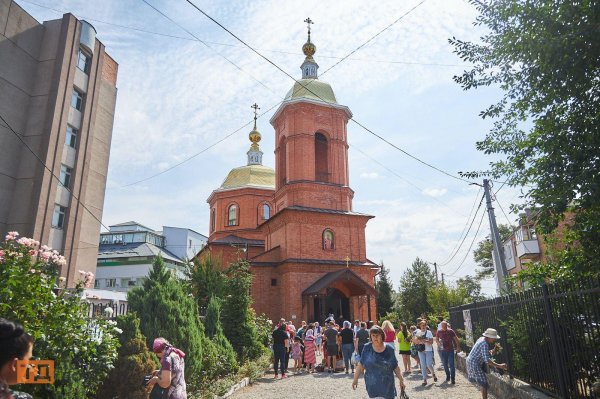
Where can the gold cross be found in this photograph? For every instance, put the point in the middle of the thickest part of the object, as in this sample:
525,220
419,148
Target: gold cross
309,22
256,108
347,260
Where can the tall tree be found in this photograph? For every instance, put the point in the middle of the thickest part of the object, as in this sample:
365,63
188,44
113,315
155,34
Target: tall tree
384,292
205,279
414,287
483,253
545,56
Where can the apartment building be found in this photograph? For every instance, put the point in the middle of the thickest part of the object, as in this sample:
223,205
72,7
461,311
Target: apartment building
57,96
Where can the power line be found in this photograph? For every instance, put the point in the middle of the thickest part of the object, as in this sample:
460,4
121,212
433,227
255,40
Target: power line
20,137
470,246
401,178
456,247
466,234
502,209
318,96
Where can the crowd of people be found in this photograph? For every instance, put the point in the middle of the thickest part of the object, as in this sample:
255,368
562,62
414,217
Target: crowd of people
371,349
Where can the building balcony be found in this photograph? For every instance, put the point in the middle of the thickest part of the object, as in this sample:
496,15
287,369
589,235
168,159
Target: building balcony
528,249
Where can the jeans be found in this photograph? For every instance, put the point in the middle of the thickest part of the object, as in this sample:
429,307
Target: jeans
426,359
347,350
280,357
448,362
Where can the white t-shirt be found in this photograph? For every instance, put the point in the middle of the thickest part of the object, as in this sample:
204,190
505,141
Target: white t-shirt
428,335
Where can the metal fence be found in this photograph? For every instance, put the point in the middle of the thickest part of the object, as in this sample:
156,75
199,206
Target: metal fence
105,310
550,335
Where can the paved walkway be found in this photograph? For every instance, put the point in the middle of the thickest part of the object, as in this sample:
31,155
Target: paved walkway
326,386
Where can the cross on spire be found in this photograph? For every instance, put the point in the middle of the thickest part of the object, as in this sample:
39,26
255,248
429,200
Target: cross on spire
256,108
309,22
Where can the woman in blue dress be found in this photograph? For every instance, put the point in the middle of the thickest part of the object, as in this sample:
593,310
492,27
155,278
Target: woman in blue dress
379,363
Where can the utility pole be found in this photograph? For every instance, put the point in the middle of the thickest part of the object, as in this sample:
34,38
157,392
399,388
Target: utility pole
498,252
442,278
436,274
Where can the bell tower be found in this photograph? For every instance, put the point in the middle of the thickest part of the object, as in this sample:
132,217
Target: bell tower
311,152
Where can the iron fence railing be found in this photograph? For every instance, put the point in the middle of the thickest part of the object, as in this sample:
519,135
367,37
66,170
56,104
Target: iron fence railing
105,310
550,335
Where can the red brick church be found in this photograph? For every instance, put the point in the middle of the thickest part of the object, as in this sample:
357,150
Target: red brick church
295,224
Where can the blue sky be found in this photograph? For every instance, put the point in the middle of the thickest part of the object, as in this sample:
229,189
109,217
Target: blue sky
177,96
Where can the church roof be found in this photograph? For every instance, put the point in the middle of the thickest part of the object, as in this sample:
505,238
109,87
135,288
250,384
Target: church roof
233,239
312,89
258,176
349,278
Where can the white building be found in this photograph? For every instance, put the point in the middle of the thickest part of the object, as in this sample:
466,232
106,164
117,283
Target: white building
127,251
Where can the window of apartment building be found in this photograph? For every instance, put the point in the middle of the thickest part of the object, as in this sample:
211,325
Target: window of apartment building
65,176
77,100
58,218
190,244
84,61
71,138
111,282
96,283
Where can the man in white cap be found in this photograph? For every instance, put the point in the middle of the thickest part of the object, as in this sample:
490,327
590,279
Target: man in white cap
480,356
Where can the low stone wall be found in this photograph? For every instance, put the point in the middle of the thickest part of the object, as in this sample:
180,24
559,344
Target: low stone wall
502,386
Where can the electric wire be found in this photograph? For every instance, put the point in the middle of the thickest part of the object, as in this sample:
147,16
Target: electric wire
456,247
504,213
469,250
20,137
318,96
466,235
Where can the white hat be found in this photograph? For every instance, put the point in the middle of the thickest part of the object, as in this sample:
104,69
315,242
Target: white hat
491,333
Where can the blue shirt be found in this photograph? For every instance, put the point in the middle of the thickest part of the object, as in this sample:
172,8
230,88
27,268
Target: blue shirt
379,371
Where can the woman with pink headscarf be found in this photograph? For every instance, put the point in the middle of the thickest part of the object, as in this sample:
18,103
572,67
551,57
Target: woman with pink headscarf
171,373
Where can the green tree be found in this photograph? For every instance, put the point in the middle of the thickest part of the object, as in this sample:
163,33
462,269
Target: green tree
31,293
205,279
238,322
133,363
166,310
414,287
483,253
545,56
384,292
214,331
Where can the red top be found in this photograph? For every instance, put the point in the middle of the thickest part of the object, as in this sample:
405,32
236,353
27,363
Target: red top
390,336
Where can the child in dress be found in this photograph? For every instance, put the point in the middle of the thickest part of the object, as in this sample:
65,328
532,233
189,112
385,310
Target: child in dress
297,353
310,347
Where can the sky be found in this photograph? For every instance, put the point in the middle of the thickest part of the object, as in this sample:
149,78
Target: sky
185,87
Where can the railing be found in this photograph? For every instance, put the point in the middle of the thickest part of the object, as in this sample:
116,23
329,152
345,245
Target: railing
550,335
105,310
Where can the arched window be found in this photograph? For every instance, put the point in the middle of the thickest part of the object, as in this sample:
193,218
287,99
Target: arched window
232,213
282,162
321,158
212,220
328,239
266,212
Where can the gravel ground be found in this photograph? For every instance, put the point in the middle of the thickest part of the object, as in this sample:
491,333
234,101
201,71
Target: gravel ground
332,385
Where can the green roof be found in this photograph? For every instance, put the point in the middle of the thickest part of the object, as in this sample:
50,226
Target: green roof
313,89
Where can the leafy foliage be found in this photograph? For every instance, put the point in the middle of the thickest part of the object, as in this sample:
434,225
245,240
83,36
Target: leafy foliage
214,331
205,279
166,310
545,56
414,288
133,363
238,321
384,292
83,350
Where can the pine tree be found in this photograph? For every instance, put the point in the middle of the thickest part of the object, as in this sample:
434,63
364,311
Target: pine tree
133,363
238,323
214,331
384,293
165,310
414,287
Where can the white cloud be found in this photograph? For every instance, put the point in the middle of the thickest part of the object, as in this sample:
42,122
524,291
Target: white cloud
369,175
435,192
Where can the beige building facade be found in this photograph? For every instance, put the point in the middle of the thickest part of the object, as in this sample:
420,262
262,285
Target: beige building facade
58,92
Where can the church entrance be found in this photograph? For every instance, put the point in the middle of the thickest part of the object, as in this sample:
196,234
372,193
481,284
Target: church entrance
333,302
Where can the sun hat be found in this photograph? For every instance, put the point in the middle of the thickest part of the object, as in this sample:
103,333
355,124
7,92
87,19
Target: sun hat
491,333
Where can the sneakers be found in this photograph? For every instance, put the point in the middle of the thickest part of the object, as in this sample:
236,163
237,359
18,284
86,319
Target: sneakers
453,382
447,379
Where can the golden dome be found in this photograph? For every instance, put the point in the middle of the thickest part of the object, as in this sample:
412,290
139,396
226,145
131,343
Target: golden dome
312,89
250,176
309,49
254,136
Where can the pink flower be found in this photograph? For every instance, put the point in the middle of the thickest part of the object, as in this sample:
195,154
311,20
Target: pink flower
2,254
11,235
33,252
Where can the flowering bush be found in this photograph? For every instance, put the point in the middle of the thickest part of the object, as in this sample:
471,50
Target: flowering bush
32,294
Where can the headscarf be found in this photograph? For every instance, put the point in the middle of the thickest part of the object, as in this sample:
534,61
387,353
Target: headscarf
310,335
347,324
161,344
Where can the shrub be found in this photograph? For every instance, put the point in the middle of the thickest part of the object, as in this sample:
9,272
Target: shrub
133,363
214,331
83,350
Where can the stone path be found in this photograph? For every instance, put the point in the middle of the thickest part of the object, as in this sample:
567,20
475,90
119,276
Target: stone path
328,386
